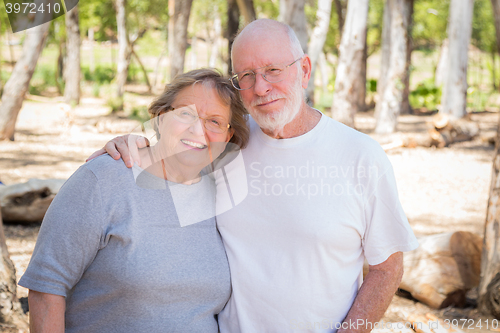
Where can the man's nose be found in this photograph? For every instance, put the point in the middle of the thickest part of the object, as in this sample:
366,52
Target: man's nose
261,87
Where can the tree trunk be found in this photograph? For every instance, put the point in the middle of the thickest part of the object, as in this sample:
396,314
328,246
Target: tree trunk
124,50
496,13
362,86
391,98
292,13
247,10
179,11
489,298
442,65
349,73
317,41
454,100
16,87
406,107
493,69
72,68
146,78
340,8
92,56
11,312
233,22
443,268
217,30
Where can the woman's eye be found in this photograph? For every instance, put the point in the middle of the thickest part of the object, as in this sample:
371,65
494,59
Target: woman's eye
215,122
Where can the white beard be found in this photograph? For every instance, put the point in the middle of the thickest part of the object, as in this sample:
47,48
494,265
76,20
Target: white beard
277,120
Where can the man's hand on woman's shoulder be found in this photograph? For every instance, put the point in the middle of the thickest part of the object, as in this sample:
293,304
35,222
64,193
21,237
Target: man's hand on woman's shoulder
125,146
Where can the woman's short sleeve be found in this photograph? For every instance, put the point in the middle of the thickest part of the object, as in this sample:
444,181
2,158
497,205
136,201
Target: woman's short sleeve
69,238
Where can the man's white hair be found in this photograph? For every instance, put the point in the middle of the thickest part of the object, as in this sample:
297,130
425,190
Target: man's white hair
295,47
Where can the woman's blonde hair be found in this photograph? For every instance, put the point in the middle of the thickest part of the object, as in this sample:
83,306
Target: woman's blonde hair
210,78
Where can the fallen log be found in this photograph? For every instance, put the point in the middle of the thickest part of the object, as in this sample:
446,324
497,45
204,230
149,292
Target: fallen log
442,132
28,202
443,268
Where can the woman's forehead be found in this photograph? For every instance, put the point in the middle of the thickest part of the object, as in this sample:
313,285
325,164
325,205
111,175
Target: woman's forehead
205,98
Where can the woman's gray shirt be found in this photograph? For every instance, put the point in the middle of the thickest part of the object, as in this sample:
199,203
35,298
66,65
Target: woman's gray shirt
114,247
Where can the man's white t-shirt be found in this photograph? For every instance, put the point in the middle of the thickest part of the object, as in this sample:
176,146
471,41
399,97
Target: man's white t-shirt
305,213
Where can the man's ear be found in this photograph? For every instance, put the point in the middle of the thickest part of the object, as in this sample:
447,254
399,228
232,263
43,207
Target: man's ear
306,66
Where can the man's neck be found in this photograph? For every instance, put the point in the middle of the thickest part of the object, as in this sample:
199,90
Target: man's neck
306,120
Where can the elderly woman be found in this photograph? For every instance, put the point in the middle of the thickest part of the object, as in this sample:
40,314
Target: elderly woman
113,255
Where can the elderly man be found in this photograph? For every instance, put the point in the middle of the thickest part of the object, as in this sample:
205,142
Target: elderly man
321,198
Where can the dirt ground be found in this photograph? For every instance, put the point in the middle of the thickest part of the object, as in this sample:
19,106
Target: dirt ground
441,190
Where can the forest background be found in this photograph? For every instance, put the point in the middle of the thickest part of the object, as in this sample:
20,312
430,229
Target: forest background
424,82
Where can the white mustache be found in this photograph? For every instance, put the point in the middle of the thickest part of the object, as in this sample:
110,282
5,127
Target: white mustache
266,99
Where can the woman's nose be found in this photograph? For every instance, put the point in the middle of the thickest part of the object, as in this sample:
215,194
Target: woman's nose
198,127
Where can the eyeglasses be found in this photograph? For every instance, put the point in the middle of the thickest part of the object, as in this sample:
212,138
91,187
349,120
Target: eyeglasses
187,115
272,74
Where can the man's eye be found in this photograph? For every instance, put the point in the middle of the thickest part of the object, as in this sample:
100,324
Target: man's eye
246,75
273,71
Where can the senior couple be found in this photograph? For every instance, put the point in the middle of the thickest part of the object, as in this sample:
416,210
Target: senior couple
299,208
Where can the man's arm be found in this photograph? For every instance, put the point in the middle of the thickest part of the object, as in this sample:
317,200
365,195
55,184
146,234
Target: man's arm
125,146
375,295
46,312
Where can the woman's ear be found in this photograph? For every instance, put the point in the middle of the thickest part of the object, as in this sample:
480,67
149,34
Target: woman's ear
230,133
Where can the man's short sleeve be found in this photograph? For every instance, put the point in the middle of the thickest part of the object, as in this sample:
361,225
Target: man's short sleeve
387,228
69,238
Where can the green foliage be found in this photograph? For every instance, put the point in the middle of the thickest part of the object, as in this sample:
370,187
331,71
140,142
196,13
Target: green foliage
101,74
140,113
267,9
483,26
96,90
135,74
371,85
333,36
115,103
98,14
477,99
43,78
426,95
430,19
375,23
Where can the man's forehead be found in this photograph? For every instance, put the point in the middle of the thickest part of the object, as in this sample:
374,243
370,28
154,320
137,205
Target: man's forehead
261,54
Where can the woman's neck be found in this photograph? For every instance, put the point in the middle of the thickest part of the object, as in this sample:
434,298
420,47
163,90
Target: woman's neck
154,161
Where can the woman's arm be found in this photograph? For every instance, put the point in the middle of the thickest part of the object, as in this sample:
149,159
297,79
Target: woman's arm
46,312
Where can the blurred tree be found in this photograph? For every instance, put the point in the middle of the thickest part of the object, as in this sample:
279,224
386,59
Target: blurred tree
394,64
11,312
317,41
340,8
496,14
179,12
16,87
124,49
489,285
455,81
233,22
351,53
247,10
292,13
72,69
